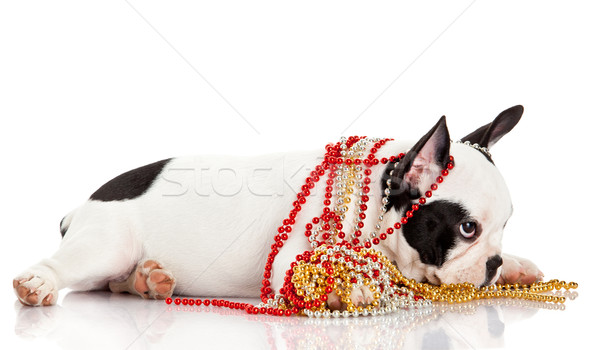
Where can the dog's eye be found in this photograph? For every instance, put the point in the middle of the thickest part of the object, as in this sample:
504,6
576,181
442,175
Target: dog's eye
468,229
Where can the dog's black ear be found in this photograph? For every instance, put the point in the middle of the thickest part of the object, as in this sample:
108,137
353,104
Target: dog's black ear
489,134
419,167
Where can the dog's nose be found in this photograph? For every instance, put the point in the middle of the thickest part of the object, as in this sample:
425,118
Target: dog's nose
493,264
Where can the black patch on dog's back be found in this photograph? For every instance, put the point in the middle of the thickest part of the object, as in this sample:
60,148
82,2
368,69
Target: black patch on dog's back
131,184
432,230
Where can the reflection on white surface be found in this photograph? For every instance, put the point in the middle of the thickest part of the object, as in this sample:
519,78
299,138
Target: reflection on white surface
106,320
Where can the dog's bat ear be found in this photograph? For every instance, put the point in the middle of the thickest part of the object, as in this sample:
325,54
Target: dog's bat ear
420,165
434,147
489,134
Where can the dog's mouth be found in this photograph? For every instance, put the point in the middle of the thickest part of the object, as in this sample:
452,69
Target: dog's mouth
433,279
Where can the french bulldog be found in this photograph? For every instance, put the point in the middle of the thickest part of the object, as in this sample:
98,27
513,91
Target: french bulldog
204,225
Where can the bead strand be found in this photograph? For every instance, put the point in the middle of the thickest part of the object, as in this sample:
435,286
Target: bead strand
341,261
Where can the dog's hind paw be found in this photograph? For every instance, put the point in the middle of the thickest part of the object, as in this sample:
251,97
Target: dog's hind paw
149,280
34,290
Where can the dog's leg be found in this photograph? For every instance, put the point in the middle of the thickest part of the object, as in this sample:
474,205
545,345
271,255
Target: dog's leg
519,270
149,280
86,260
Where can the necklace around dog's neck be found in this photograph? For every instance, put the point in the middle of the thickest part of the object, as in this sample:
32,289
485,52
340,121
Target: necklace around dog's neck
476,146
348,183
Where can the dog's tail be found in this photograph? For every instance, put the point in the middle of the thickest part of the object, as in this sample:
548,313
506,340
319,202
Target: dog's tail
66,222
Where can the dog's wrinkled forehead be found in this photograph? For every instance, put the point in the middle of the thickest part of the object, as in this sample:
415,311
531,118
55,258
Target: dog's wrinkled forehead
477,185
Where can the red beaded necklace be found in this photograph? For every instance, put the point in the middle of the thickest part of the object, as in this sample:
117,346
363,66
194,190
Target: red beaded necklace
340,260
336,157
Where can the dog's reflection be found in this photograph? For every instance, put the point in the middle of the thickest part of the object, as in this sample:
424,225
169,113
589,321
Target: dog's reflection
107,320
96,320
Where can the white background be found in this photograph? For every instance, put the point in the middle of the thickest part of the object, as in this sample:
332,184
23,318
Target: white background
91,89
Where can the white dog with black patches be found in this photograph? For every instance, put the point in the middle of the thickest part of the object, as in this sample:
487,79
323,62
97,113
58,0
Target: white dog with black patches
204,225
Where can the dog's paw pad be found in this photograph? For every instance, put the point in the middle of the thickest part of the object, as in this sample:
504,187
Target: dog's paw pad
149,265
34,291
161,284
152,281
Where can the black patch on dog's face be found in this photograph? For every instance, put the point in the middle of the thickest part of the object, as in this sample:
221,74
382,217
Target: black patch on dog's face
131,184
432,230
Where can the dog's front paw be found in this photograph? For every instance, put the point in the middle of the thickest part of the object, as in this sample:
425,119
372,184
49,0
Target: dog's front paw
360,296
519,270
34,290
334,301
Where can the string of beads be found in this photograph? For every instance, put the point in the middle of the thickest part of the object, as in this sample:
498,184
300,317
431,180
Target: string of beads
343,259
